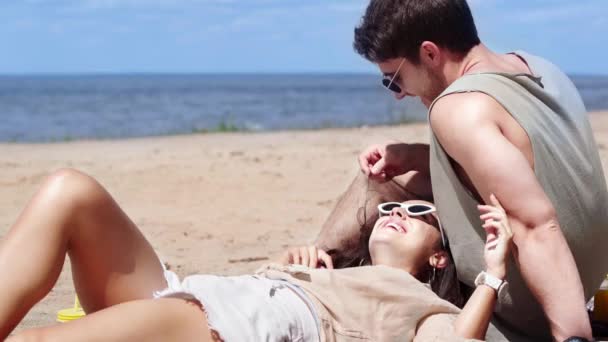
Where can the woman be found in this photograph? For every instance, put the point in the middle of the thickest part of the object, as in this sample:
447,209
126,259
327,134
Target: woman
129,296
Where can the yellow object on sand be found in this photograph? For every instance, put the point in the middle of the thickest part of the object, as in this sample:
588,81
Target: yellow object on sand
600,303
71,314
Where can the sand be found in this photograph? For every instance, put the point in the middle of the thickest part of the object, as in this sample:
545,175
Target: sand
209,203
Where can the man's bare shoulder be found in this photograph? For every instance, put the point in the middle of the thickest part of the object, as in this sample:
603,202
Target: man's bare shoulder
465,112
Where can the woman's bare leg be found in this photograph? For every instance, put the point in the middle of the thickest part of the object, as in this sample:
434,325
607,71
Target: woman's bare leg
167,319
111,260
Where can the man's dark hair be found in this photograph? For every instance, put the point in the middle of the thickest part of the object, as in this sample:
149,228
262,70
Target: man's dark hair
396,28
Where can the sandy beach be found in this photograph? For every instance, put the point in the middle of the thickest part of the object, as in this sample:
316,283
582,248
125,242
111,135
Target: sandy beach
210,203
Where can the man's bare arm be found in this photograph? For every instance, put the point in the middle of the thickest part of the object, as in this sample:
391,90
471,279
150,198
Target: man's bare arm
468,127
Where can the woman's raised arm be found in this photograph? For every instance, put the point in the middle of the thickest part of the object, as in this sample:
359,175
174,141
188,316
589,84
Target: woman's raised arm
475,316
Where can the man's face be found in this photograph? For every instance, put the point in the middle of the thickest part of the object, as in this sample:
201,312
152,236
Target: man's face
414,80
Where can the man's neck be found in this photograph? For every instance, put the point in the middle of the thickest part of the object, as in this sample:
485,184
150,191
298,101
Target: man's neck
474,61
482,59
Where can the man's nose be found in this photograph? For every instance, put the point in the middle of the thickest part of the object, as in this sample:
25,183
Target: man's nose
400,95
403,94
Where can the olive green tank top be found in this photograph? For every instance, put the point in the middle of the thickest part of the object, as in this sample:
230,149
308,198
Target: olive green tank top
568,167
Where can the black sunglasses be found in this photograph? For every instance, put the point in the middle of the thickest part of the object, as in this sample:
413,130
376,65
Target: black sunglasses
389,82
390,85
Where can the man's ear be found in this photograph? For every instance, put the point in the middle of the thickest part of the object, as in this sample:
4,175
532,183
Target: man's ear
430,53
439,259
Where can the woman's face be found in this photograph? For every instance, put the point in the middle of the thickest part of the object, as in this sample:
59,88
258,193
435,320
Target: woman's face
407,242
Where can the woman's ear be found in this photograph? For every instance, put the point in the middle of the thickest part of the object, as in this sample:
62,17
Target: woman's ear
439,259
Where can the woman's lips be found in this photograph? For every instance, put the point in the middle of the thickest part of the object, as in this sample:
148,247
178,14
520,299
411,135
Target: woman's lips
397,226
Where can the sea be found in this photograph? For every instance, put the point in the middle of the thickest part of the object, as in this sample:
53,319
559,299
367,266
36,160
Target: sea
48,108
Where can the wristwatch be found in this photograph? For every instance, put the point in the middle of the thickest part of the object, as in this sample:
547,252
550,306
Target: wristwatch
484,278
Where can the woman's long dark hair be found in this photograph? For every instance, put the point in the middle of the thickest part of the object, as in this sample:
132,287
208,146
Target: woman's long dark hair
444,282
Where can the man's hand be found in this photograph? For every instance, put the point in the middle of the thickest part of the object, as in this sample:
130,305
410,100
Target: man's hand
309,256
382,162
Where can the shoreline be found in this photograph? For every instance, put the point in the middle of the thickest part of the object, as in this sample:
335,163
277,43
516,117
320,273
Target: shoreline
229,132
209,133
210,203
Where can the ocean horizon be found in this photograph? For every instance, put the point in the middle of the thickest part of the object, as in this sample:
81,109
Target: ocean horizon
60,107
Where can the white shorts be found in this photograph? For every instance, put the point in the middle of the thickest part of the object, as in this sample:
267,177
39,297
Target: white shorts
249,308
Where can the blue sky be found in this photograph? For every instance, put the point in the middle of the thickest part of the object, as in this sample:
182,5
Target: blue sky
81,36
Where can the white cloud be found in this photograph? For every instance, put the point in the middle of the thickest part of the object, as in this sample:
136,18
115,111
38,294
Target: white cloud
355,6
553,13
92,5
113,4
474,3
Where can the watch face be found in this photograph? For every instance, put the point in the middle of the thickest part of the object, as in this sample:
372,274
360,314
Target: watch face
493,281
487,279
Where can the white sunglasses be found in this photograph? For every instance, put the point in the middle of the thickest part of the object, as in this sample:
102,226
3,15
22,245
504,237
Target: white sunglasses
413,210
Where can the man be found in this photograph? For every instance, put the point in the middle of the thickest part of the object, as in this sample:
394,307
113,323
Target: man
511,125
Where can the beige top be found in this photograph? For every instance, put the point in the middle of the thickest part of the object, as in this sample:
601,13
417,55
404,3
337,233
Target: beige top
568,167
371,303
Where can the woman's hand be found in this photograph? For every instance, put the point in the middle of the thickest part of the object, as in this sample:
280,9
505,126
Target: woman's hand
309,256
498,237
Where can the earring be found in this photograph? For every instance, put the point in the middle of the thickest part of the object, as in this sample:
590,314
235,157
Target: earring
432,277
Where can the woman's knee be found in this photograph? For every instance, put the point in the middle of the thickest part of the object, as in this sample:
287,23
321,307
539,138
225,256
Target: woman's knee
72,188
